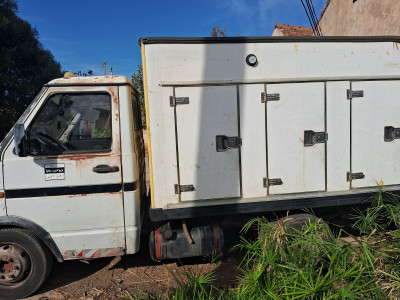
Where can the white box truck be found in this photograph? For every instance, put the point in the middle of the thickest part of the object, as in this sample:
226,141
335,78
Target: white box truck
236,126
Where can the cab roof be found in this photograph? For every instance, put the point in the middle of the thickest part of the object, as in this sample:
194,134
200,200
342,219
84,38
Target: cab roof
91,81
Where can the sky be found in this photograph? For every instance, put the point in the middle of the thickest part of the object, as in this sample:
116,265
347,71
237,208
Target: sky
82,34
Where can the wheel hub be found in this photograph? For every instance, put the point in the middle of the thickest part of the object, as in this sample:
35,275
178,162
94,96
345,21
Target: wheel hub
14,263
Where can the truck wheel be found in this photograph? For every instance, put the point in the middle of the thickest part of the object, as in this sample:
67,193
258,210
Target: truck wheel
297,221
300,221
25,263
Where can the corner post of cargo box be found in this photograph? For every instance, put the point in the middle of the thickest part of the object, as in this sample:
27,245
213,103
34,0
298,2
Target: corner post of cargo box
146,101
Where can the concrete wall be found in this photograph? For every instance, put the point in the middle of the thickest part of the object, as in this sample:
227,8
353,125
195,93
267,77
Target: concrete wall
363,17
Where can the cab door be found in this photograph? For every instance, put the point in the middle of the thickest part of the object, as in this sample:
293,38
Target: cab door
70,182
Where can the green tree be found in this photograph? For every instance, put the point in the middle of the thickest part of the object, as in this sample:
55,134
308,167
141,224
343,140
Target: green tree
24,65
137,79
218,31
84,74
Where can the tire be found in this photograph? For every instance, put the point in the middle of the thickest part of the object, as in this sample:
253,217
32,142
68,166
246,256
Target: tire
25,263
298,222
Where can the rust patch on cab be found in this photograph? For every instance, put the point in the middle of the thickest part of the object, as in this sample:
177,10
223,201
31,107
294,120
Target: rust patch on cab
93,253
91,80
114,95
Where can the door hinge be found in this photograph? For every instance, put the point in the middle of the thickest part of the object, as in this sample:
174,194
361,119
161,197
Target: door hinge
184,188
224,142
391,133
173,101
354,94
274,181
269,97
311,138
354,176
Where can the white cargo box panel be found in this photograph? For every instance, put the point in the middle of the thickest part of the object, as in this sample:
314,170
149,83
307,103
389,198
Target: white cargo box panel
311,116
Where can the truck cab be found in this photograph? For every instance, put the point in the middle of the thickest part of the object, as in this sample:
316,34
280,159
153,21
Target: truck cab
73,178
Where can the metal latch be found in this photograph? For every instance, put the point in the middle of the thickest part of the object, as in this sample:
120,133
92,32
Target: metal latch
311,138
269,97
354,176
184,188
354,94
391,133
224,142
274,181
178,100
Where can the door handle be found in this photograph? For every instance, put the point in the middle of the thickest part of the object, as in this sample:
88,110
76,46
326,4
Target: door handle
311,138
391,133
224,142
105,169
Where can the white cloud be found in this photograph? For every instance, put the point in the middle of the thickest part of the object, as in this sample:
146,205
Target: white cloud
242,11
240,7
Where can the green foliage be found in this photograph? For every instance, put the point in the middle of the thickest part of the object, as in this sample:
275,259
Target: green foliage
288,261
380,222
101,133
192,285
84,74
24,65
137,79
137,295
383,214
218,31
306,264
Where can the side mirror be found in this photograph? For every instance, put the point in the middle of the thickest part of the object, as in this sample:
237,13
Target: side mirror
20,140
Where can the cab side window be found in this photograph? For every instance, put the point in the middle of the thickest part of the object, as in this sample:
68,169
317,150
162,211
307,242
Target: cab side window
72,123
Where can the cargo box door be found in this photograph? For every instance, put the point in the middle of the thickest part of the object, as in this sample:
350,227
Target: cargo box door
375,133
296,138
208,143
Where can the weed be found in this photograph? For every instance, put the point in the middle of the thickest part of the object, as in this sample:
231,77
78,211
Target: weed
137,295
192,284
286,263
383,214
303,260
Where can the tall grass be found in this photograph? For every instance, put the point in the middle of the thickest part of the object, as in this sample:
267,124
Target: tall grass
286,263
193,285
381,223
309,262
382,215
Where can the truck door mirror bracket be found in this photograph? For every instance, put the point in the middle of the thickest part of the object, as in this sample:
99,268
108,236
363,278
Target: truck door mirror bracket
20,140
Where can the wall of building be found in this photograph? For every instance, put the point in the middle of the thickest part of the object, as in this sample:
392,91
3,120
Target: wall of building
360,18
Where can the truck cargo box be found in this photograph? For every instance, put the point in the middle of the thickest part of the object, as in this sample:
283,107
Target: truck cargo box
259,124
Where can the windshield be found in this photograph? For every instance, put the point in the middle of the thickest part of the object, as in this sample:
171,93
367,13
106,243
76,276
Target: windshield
21,120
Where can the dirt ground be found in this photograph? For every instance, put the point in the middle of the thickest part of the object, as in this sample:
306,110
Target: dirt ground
135,276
